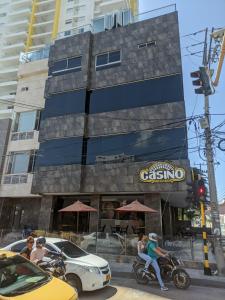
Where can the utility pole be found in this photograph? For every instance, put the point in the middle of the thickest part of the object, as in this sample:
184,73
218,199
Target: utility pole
212,181
205,88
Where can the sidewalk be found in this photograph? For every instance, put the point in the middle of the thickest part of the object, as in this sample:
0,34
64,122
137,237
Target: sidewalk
124,270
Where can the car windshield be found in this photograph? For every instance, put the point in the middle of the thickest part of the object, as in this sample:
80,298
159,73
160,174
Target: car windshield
70,249
19,276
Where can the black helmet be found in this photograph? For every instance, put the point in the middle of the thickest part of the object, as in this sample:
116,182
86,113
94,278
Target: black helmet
41,241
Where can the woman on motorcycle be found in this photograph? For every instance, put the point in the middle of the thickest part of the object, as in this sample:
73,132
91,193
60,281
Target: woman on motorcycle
26,251
154,251
141,247
40,251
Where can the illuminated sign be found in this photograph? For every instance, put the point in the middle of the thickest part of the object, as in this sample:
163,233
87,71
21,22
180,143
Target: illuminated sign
162,172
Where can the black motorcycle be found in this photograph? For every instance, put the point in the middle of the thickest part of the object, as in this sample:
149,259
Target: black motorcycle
54,266
170,269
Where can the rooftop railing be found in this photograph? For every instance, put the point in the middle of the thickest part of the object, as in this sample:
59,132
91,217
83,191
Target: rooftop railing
123,18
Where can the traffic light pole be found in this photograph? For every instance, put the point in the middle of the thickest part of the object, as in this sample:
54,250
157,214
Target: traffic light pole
213,195
207,270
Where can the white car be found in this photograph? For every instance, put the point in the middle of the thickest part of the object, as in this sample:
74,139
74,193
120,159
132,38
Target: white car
84,271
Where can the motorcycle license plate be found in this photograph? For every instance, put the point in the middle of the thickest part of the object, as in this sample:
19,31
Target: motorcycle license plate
108,277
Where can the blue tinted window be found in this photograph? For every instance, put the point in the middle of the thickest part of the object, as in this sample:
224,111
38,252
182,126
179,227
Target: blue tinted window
74,62
107,60
64,104
145,146
59,65
60,152
114,56
145,93
65,66
102,59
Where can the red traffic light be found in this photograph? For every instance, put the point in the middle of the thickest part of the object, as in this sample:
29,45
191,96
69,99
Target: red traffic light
201,191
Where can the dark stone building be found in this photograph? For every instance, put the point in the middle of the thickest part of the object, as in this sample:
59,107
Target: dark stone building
114,105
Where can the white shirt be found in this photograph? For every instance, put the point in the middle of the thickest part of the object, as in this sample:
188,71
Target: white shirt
38,254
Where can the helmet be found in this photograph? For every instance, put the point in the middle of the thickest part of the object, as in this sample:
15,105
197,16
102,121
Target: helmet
41,240
153,237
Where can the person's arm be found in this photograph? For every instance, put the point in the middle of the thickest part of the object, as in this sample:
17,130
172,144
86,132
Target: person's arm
158,252
33,257
163,250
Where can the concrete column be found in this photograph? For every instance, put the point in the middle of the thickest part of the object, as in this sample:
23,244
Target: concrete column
45,216
153,221
94,216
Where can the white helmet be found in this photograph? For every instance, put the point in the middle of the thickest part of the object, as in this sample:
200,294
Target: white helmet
153,237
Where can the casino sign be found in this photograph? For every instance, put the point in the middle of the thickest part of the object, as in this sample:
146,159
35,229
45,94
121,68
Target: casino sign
159,172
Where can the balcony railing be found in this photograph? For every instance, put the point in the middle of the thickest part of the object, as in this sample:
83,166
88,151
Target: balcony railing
22,135
26,57
15,179
75,31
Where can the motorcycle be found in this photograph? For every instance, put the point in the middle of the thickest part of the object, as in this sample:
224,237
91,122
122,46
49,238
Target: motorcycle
170,271
54,266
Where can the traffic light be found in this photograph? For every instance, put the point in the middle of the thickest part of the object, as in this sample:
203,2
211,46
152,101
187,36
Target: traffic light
201,191
203,81
196,190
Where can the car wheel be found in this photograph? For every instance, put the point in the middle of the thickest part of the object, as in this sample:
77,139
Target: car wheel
75,282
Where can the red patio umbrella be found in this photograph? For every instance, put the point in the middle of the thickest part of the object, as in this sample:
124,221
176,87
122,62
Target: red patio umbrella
136,206
78,207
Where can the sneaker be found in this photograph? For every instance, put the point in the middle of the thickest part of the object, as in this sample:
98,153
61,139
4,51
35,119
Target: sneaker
164,288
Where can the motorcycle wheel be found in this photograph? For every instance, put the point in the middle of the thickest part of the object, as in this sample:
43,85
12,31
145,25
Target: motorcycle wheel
139,274
181,279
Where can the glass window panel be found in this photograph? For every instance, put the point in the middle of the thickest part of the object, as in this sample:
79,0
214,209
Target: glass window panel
114,56
144,146
126,17
20,163
74,62
145,93
26,121
99,25
56,152
102,59
59,65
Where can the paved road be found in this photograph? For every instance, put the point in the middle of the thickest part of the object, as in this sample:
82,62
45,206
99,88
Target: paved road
128,289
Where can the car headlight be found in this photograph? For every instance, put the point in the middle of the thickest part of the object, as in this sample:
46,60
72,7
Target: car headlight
92,270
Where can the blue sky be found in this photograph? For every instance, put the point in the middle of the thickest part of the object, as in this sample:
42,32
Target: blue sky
193,16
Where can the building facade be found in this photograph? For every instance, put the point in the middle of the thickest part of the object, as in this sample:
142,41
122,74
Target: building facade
113,128
28,28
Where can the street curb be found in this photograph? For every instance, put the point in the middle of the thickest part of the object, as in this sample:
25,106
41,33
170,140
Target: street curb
194,281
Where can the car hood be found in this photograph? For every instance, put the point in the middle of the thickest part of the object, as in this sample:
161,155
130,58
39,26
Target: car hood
89,260
53,290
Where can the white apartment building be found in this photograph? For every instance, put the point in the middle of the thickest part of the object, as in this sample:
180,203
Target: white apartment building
30,27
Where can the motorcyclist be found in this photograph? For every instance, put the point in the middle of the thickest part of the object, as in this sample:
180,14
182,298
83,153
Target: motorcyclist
154,251
141,247
26,251
39,251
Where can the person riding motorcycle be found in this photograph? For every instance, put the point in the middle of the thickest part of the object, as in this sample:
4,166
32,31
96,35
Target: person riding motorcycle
39,251
141,247
154,251
26,251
